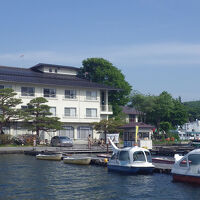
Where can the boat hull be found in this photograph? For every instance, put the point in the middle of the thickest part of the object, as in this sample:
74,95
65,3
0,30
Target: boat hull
186,178
131,170
77,161
49,157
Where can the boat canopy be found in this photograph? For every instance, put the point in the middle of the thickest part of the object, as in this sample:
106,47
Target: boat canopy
190,161
131,154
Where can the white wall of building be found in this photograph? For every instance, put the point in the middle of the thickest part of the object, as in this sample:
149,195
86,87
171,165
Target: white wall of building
81,103
191,126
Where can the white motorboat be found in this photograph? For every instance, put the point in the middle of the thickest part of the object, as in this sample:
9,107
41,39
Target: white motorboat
133,160
56,156
187,168
78,160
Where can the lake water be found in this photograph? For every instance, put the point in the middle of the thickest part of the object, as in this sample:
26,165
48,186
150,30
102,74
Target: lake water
25,178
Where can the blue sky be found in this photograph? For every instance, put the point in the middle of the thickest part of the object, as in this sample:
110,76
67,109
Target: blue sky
155,43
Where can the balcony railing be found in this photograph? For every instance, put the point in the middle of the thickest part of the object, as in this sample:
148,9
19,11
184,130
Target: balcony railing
106,108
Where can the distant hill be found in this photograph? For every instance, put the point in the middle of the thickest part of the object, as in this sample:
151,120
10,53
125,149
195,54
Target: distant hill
193,108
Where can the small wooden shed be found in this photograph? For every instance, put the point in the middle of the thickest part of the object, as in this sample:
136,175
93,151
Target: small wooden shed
144,134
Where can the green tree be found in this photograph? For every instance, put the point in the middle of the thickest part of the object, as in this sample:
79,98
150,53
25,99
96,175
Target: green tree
102,71
108,126
165,126
179,114
39,117
161,109
143,103
8,111
193,109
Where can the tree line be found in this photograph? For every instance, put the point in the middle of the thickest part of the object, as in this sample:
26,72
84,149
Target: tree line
193,109
162,111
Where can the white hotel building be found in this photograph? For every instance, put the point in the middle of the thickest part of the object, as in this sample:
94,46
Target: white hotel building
77,102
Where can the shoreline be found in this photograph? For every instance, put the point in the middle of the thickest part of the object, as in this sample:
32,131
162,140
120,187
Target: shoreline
35,150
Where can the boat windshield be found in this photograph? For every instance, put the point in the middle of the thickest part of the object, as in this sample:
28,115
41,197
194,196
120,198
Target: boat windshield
194,159
114,156
124,156
194,162
148,155
139,156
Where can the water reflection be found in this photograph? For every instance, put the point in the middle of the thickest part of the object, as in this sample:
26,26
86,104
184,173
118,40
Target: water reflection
23,177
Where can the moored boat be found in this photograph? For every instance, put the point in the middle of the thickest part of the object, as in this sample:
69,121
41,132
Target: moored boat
57,156
134,160
163,160
102,155
78,160
187,168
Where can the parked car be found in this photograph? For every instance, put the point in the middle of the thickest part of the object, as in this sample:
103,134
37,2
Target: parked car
61,141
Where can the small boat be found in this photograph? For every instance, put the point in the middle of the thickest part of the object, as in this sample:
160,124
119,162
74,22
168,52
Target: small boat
187,168
163,160
78,160
55,156
104,155
134,160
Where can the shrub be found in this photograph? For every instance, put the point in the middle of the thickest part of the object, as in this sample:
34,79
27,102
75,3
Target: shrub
28,139
5,139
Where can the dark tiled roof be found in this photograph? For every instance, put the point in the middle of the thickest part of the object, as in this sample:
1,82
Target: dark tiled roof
23,75
134,124
130,111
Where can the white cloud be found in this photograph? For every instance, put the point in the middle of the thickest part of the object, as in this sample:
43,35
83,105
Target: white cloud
158,54
165,54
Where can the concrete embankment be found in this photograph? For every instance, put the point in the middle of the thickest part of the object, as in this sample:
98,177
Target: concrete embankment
78,149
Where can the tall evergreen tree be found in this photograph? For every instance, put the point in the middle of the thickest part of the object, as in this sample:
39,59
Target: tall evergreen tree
8,111
39,117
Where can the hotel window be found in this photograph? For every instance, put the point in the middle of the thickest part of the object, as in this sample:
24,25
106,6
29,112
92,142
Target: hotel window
67,131
91,95
5,86
91,112
84,131
49,92
52,110
27,91
24,107
70,112
70,94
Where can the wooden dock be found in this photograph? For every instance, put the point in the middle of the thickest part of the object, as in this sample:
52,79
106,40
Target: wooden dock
171,150
163,168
